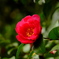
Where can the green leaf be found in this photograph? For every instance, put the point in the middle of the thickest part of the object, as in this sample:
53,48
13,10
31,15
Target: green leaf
50,58
45,41
57,57
56,47
54,33
42,48
30,55
50,44
19,50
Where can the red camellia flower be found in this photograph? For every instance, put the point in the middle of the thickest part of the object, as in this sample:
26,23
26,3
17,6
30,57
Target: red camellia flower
28,29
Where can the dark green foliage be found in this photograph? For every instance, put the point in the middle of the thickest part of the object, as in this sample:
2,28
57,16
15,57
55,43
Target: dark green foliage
38,41
54,33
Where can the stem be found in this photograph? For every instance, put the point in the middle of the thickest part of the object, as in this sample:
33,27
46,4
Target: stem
19,50
31,45
50,39
31,51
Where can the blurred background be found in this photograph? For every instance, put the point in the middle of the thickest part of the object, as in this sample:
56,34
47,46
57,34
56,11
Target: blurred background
12,11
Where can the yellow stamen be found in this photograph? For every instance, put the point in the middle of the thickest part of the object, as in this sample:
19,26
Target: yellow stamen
29,32
34,54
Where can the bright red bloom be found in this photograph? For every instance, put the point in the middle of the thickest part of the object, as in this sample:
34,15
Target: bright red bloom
28,29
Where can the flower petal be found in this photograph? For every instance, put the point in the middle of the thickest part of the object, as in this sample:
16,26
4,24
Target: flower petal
21,27
26,18
36,17
33,37
37,30
22,40
18,25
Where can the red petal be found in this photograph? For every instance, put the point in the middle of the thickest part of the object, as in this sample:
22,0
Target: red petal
22,40
33,22
26,18
37,30
18,25
33,37
36,17
21,27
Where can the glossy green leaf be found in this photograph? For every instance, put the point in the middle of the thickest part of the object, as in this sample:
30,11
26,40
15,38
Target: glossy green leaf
56,47
54,33
50,44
